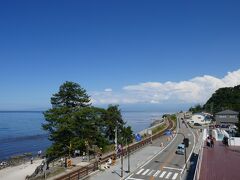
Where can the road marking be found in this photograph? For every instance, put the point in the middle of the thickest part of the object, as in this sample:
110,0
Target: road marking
145,172
151,172
163,173
156,173
159,151
130,178
134,179
175,176
194,144
168,175
172,168
140,171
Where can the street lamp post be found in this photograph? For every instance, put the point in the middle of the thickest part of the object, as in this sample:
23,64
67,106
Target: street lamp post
128,153
122,163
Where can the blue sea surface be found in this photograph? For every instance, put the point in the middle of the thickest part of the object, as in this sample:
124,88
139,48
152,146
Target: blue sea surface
21,132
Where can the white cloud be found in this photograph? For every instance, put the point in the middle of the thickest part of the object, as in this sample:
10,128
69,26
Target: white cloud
108,90
195,90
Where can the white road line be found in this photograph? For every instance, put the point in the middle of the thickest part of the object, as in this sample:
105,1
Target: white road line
168,175
163,173
130,178
194,144
149,174
175,176
156,173
145,172
134,179
140,171
160,150
178,169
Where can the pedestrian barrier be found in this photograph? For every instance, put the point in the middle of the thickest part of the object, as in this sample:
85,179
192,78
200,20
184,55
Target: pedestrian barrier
86,170
199,162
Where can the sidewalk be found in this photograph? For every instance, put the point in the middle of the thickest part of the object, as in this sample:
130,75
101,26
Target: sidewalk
137,159
220,162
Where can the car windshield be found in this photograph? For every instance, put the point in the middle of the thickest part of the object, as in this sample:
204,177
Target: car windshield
180,147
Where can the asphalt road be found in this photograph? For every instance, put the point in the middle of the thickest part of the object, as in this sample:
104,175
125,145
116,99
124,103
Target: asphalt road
167,164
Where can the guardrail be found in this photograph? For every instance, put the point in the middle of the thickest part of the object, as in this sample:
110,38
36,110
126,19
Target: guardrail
86,170
199,162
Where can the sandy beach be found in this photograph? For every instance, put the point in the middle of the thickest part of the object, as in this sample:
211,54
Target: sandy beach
19,172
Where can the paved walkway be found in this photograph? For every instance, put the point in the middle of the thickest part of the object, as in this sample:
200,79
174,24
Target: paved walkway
136,159
220,163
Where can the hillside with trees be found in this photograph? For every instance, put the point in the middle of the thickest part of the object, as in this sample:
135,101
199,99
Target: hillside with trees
222,99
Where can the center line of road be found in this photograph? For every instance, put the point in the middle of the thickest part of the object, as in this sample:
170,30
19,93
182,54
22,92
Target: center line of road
173,168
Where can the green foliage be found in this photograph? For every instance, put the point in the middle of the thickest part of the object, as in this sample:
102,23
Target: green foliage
73,124
196,109
224,98
70,95
158,128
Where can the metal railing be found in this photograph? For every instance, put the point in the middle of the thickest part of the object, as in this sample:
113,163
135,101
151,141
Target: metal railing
199,162
86,170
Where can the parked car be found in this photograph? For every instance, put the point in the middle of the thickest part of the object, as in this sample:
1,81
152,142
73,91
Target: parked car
180,149
197,124
211,126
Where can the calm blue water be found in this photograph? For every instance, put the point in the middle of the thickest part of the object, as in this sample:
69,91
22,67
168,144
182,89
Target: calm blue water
21,132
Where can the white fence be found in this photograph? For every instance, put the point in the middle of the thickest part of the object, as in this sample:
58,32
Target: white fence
234,141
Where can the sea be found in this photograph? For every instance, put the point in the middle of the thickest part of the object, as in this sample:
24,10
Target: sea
21,132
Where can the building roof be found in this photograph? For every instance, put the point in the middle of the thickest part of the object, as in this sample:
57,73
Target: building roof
227,112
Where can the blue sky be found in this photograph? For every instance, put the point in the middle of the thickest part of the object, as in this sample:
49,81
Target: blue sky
124,52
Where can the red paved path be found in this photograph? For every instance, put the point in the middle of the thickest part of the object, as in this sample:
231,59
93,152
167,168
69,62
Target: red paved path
220,163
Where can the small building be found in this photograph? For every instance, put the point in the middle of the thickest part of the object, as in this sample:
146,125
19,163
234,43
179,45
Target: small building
200,118
187,115
226,117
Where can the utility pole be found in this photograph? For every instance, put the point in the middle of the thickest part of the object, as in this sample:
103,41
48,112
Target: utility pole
116,140
128,153
122,162
128,158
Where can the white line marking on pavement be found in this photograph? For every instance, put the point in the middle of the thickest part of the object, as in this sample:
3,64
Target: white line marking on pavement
175,176
191,151
156,173
130,178
149,174
172,168
163,173
145,172
134,179
140,171
168,175
160,151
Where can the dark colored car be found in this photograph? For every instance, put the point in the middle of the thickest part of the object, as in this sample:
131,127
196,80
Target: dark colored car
197,124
